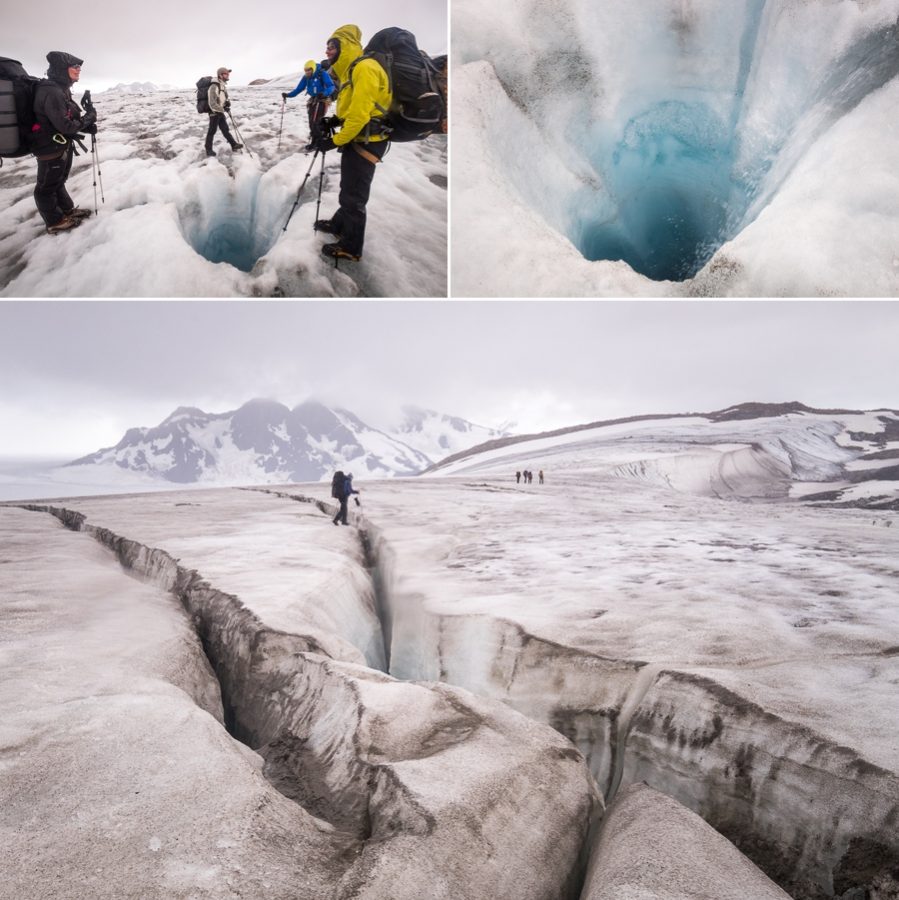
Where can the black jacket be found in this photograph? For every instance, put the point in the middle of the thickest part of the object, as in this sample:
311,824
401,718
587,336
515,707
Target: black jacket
56,113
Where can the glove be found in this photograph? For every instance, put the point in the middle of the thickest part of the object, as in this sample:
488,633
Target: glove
283,95
323,145
88,119
332,122
227,105
90,129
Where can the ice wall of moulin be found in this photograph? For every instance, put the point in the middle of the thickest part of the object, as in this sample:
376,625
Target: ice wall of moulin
663,130
446,796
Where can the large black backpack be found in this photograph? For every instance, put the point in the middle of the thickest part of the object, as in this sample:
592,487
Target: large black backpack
17,89
203,93
416,83
338,485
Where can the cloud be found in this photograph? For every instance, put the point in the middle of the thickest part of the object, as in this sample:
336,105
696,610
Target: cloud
77,373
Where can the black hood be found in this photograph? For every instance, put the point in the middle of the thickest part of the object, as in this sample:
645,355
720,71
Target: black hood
59,65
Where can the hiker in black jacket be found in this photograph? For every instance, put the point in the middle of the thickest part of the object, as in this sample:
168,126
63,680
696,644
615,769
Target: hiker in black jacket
345,491
59,119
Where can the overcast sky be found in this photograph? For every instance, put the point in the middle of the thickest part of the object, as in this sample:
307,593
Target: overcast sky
76,374
173,42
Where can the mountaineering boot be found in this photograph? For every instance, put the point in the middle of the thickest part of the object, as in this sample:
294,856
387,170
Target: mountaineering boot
325,225
236,146
209,153
335,251
64,224
78,213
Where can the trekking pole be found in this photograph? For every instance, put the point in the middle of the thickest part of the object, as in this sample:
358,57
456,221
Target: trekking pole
239,135
94,173
300,191
95,153
283,104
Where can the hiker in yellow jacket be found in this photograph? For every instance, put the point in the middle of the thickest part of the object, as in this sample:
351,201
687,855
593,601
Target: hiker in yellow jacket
363,99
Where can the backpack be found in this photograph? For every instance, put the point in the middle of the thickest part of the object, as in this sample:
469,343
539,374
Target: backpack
203,93
17,90
338,485
418,88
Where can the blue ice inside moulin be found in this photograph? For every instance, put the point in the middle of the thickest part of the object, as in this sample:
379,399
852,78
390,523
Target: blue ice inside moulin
711,114
670,197
232,220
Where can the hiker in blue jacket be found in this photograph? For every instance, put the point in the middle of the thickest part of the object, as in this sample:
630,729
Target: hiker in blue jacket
320,87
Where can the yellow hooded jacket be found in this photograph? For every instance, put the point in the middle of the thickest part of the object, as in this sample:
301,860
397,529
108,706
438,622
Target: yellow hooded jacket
357,103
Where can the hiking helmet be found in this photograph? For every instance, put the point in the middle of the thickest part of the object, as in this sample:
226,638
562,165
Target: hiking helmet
310,64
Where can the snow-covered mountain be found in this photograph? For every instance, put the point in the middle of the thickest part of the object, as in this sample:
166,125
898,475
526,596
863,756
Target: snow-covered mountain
437,435
265,441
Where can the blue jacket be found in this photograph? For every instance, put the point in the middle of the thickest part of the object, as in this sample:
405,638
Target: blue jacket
319,85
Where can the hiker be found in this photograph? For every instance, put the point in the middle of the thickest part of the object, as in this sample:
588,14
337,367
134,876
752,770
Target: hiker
58,121
518,477
359,107
540,476
342,489
318,85
219,104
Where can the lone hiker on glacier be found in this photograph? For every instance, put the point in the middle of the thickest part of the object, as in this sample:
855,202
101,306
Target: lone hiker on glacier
342,489
318,85
219,104
58,121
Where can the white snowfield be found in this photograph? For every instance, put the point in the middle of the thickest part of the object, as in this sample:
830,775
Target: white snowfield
700,630
167,205
762,135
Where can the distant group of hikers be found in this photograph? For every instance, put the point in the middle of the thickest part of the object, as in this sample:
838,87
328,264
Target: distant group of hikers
389,90
528,477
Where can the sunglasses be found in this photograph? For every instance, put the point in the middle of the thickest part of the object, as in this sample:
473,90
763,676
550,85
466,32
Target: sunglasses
74,67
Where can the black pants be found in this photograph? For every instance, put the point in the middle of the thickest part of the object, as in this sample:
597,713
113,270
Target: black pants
316,109
342,512
50,194
356,174
218,120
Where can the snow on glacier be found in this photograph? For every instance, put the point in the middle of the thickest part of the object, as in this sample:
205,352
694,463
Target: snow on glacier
744,148
177,225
